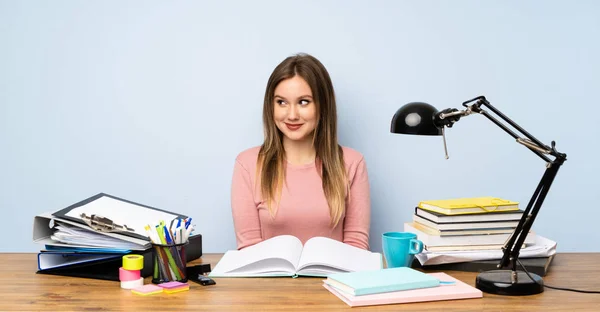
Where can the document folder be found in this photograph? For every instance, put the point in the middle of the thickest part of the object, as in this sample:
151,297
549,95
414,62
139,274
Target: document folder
115,214
55,259
108,268
43,228
119,211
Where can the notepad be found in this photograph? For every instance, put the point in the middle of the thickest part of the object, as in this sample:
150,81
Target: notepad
147,290
173,287
381,281
458,290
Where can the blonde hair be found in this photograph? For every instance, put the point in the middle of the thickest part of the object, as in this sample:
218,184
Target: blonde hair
329,154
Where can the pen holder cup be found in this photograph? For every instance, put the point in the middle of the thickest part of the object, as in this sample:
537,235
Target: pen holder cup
169,263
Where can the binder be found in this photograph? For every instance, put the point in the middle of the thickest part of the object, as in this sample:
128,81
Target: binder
95,233
116,211
108,268
43,228
119,211
55,259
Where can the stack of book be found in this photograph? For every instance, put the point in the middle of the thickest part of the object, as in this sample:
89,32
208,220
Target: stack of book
396,285
482,223
469,225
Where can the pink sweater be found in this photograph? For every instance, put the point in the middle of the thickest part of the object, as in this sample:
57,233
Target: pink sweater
303,211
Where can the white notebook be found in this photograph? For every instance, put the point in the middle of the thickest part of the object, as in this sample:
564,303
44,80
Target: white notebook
286,256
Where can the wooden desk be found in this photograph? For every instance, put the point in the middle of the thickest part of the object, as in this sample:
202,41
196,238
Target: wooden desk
22,289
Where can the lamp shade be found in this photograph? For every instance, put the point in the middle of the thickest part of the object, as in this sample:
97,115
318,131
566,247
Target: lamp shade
415,118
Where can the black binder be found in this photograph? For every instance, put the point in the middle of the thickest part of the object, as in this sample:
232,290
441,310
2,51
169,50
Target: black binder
109,269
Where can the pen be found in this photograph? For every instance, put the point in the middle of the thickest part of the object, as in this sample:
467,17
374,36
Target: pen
171,227
168,252
147,228
161,257
155,235
167,260
175,253
187,233
167,236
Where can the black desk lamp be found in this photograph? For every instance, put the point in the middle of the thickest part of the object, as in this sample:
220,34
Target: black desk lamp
423,119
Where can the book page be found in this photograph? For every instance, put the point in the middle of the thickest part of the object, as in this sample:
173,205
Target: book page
328,255
276,255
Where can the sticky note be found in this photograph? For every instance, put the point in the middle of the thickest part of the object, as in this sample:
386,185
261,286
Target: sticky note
178,289
147,289
171,285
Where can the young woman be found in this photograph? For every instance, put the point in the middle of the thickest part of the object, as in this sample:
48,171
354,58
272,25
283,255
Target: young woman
300,182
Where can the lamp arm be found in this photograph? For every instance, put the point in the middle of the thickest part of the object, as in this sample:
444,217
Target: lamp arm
535,145
447,118
513,245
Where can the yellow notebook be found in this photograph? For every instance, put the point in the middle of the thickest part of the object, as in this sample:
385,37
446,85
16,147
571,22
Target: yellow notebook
459,206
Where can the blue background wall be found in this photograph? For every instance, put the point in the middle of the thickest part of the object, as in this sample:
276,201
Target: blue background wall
152,101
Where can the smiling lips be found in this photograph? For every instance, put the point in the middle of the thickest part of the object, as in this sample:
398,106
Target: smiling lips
293,127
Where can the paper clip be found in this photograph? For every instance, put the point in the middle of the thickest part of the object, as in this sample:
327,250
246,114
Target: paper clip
103,224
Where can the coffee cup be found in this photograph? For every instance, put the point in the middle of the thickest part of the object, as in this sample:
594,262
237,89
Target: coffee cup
400,248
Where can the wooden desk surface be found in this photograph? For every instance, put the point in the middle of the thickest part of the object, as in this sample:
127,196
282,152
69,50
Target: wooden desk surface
22,289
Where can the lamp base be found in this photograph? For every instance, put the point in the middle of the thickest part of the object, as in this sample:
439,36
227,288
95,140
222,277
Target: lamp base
499,282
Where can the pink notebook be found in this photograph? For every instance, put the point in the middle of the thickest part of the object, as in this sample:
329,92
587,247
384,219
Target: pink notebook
458,290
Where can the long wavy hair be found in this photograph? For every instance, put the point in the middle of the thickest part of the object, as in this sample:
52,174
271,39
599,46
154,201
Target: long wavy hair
329,154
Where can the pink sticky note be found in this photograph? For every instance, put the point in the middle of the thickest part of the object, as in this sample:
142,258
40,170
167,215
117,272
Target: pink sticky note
147,289
171,285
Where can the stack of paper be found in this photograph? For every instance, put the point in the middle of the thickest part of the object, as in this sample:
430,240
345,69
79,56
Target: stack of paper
542,248
72,235
66,227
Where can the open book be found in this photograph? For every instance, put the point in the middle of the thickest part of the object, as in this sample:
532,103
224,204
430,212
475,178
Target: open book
285,256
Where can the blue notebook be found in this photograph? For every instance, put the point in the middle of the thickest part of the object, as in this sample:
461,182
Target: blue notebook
380,281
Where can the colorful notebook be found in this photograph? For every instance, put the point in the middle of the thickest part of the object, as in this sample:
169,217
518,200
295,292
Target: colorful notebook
380,281
458,206
458,290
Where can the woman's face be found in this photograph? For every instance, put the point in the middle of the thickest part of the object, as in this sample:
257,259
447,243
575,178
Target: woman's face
294,109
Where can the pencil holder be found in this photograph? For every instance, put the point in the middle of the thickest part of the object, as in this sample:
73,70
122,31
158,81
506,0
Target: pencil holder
169,263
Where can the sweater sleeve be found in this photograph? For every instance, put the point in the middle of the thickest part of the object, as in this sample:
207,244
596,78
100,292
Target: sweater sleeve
245,214
358,209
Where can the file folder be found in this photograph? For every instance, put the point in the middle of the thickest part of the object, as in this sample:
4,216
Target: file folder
108,268
118,210
131,215
55,259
